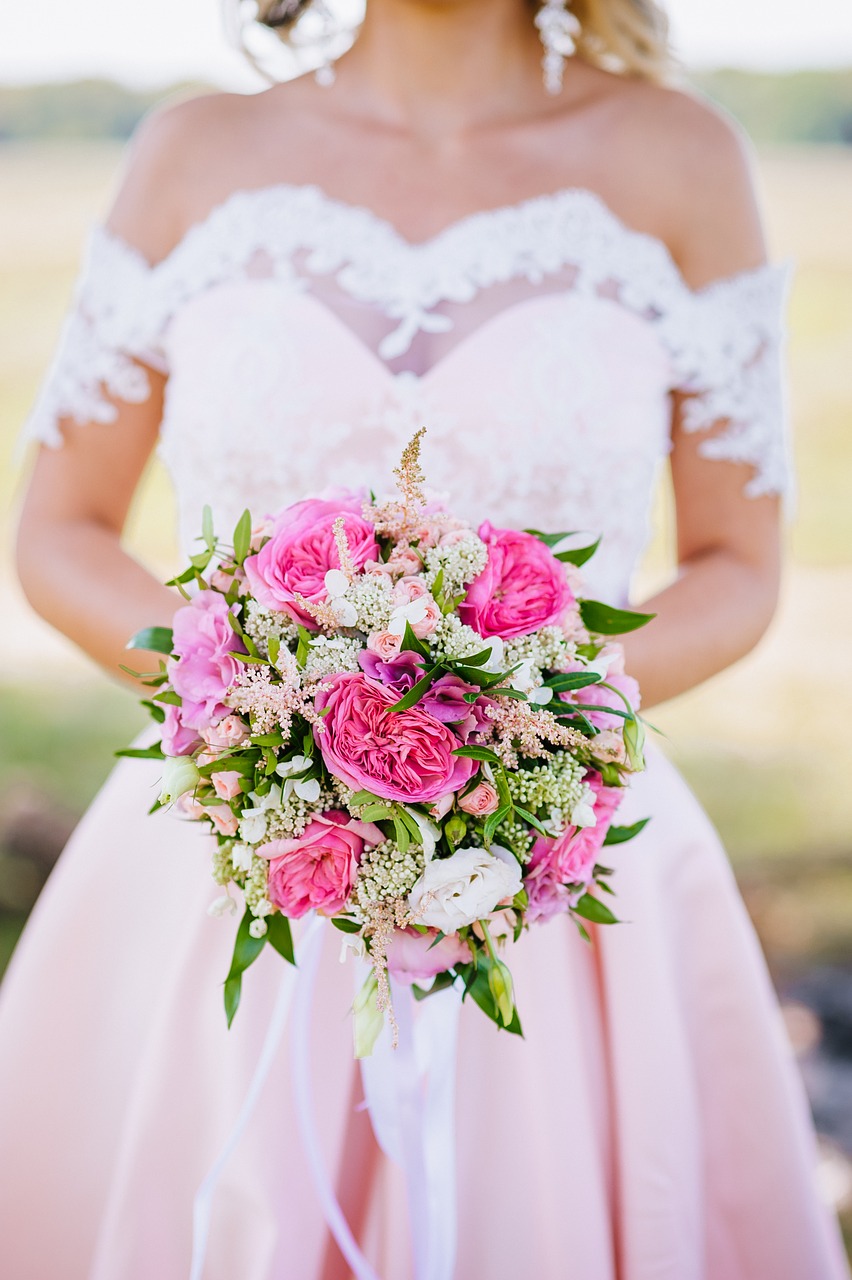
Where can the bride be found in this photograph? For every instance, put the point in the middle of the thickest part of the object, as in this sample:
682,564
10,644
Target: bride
563,278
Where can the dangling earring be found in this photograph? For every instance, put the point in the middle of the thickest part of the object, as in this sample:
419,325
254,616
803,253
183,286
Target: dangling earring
558,28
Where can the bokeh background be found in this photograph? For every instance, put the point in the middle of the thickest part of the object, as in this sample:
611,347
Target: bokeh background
767,746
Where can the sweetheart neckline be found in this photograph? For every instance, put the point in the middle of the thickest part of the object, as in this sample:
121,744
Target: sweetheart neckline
420,250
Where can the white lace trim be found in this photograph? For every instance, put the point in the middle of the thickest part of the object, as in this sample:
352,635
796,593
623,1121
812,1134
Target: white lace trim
724,341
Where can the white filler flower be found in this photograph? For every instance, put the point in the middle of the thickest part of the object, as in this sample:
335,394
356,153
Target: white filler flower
455,891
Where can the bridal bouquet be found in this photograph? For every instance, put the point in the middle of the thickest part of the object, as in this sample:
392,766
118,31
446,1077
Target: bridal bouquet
417,729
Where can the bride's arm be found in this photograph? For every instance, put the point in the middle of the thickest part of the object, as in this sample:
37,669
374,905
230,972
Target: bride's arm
70,560
728,544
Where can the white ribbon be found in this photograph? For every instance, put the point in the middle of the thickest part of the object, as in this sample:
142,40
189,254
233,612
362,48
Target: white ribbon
410,1095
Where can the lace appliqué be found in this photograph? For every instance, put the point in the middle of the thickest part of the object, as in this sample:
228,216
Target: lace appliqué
723,341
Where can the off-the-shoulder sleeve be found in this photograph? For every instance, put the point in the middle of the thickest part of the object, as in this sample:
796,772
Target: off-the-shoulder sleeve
729,359
111,326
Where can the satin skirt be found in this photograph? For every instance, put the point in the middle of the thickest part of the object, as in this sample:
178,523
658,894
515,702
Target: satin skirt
650,1125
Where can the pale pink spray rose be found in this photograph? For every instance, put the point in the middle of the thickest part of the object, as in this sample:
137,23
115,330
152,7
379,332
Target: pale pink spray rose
316,870
224,820
405,755
404,561
203,670
230,731
522,587
226,783
302,549
416,957
384,644
482,800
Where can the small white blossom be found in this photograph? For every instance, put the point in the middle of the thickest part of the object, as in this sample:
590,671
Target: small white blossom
258,927
241,857
220,905
583,814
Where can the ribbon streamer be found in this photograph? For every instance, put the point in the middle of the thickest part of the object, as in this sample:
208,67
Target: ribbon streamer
410,1094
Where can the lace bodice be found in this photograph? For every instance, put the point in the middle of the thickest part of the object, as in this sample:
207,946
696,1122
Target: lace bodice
304,339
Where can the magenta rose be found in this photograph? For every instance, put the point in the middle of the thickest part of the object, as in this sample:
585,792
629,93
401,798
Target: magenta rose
522,587
398,755
416,957
316,870
203,670
573,854
302,549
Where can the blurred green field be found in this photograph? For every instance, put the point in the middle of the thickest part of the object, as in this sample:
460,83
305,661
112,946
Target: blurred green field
767,746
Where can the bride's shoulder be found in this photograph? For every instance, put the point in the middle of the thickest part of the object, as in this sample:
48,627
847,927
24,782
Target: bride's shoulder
185,157
695,166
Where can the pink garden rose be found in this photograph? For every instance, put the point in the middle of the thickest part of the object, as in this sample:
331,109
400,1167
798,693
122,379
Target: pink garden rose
203,670
573,854
316,870
522,587
223,818
400,755
412,957
301,551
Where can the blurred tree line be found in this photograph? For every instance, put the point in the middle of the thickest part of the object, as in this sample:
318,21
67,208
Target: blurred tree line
794,107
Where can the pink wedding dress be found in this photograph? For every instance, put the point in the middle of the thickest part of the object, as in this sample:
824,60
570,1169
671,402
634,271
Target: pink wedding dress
651,1125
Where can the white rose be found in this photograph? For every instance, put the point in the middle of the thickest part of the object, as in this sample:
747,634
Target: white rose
455,891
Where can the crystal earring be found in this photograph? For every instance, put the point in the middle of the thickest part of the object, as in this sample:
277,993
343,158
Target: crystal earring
558,29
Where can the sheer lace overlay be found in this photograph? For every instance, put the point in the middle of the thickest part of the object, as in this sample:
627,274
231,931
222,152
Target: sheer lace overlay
538,342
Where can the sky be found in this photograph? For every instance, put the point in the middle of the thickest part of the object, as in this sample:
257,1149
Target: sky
149,43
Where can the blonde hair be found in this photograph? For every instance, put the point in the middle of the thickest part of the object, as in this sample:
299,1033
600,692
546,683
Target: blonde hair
630,37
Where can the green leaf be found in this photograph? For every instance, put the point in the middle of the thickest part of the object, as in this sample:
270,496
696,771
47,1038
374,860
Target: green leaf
563,681
143,753
375,812
478,753
366,797
207,528
605,620
531,819
157,639
620,835
492,822
305,641
579,555
633,735
246,951
345,925
279,936
593,909
476,982
416,692
475,659
605,710
410,642
200,561
442,981
582,930
247,658
242,537
273,646
403,835
155,712
549,539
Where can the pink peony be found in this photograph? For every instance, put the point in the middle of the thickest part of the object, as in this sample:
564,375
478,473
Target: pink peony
573,854
522,587
400,755
302,549
226,783
482,800
412,957
178,739
316,870
203,670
